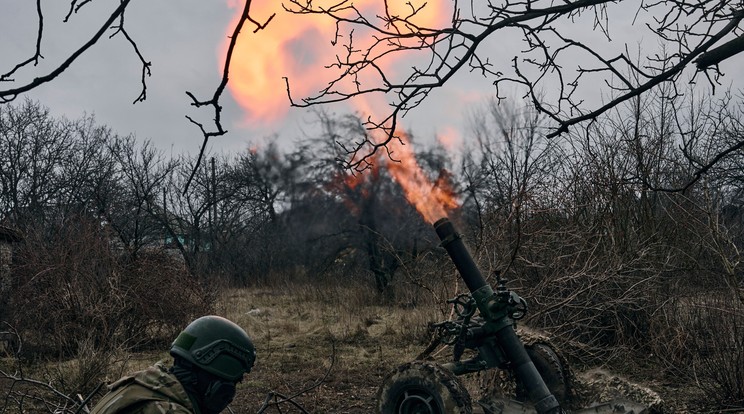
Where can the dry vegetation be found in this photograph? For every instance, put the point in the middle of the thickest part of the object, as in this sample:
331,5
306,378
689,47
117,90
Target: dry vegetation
342,336
338,341
332,336
338,289
301,330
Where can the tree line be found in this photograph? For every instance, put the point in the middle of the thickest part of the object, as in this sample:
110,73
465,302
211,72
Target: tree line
604,232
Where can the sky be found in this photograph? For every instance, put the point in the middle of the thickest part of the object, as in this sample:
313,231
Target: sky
185,43
185,46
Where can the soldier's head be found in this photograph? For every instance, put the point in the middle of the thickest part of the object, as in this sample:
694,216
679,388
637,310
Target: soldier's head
211,356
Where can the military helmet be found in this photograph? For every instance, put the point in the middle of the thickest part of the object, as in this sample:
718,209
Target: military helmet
217,346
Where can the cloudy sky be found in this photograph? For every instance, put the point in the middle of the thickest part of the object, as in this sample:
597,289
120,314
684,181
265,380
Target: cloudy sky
185,41
185,46
182,45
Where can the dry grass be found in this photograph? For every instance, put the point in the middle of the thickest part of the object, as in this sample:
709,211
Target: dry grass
299,328
305,332
298,331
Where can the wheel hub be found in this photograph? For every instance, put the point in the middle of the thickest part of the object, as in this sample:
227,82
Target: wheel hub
417,401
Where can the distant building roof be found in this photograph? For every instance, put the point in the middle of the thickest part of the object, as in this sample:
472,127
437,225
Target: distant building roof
10,235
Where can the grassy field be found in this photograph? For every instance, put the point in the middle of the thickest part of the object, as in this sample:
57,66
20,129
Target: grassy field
328,347
340,343
334,340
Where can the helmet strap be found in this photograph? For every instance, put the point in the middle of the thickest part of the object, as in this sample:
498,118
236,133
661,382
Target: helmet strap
211,393
218,395
184,372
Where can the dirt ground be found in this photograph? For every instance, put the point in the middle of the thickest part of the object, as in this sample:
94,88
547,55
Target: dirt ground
337,349
327,350
339,346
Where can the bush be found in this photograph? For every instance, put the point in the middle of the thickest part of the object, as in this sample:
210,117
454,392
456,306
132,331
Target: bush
700,339
73,287
716,326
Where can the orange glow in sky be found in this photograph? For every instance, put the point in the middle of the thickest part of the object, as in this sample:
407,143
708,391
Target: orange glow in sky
299,47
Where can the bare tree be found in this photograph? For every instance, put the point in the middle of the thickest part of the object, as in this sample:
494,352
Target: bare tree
264,178
246,197
87,174
380,228
114,23
510,167
555,65
33,144
142,173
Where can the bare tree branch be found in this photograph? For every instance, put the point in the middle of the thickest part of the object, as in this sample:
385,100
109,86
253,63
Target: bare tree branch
75,5
145,64
688,29
214,102
552,68
721,53
10,94
37,55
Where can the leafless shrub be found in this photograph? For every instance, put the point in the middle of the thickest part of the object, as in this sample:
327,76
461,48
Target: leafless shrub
700,339
670,347
74,288
715,323
27,394
80,305
62,386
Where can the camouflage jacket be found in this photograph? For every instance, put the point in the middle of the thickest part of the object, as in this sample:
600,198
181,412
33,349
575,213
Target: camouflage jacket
152,391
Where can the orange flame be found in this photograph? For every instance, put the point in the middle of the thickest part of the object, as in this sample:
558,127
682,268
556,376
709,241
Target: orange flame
433,200
298,47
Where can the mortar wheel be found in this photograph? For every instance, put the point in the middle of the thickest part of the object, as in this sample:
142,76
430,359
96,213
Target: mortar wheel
422,387
552,371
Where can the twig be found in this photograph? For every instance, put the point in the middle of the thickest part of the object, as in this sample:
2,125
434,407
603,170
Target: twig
290,399
215,101
10,94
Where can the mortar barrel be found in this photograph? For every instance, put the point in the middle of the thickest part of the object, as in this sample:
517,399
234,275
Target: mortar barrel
458,252
509,342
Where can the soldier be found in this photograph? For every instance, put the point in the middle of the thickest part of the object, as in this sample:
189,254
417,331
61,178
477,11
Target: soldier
210,357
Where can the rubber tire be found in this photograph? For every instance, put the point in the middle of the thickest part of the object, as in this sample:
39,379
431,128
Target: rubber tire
423,387
551,370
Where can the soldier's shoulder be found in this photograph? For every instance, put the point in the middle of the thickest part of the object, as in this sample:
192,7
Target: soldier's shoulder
146,407
153,390
157,377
